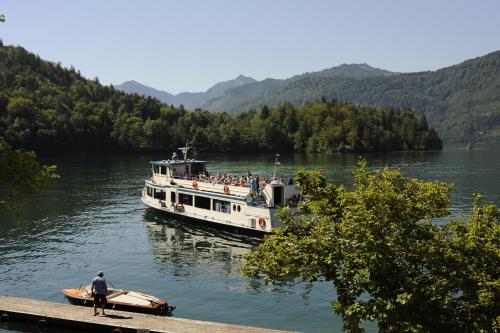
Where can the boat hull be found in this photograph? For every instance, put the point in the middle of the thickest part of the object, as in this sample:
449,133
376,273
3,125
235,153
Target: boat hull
74,297
270,221
206,223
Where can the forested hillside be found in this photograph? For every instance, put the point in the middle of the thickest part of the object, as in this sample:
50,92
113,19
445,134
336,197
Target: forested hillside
461,102
52,109
246,96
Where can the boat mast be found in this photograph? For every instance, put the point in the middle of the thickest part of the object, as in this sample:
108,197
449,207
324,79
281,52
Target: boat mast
185,150
275,163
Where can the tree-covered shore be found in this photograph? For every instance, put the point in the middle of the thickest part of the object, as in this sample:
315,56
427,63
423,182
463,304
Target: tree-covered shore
51,109
461,102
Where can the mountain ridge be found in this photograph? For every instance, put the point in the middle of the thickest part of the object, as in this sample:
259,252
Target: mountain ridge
189,100
242,97
461,101
193,100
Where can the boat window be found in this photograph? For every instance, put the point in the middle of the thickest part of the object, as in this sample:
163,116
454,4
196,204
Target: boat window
156,169
239,208
149,191
186,199
221,206
202,202
159,194
172,196
234,207
163,170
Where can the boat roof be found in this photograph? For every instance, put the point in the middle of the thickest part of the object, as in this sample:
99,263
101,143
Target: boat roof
176,162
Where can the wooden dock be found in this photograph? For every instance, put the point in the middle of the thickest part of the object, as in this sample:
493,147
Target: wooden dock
49,314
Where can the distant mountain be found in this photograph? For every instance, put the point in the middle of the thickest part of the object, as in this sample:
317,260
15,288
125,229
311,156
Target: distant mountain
134,87
462,102
244,97
241,98
187,99
348,70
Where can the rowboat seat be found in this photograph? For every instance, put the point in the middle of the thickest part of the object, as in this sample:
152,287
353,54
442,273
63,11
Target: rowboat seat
134,298
116,293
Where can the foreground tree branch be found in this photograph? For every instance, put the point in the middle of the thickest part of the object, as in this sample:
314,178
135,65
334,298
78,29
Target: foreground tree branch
20,176
391,252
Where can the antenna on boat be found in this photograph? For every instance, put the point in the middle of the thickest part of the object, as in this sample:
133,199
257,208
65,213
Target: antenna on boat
185,150
276,162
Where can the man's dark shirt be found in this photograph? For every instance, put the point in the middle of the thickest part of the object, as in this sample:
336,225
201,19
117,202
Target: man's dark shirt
99,284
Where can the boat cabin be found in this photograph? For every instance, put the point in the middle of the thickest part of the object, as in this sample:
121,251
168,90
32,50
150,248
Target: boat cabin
178,169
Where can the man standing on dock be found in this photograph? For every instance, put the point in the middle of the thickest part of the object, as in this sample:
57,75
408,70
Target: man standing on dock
99,291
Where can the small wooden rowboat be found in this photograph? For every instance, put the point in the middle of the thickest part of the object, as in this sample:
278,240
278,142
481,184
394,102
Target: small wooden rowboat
118,299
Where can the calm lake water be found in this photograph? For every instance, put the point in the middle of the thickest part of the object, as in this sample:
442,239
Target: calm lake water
92,219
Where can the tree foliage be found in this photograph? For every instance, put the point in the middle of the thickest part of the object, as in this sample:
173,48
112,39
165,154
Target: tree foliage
460,101
389,260
47,108
20,176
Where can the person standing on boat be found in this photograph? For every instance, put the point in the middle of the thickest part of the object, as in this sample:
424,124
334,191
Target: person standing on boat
99,291
253,186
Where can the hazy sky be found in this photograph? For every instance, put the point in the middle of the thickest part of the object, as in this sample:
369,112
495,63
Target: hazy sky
190,45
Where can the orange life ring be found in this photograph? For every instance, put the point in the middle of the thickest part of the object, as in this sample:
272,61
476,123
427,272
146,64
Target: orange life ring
262,223
179,207
226,189
195,185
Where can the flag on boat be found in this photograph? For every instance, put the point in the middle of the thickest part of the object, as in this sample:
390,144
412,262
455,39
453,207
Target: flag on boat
277,161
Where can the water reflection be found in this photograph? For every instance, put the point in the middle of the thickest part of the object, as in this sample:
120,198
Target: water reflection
183,243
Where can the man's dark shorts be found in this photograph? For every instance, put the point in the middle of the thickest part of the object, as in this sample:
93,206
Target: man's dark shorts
100,299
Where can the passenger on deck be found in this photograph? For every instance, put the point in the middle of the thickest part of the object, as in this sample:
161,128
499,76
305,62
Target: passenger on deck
253,186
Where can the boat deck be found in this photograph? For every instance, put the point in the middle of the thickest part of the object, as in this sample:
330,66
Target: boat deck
65,315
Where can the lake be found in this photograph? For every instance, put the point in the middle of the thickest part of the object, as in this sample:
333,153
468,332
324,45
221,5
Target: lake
92,219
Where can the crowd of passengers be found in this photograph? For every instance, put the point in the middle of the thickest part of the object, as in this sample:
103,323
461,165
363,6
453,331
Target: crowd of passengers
227,179
247,181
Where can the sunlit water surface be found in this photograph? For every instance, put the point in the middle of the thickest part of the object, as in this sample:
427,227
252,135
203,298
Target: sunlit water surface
92,219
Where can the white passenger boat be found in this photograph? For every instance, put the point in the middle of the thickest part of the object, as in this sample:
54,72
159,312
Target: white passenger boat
186,188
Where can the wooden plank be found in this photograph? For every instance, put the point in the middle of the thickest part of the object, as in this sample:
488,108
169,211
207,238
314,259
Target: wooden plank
79,316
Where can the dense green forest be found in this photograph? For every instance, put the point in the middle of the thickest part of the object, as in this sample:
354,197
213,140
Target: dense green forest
244,97
48,108
461,102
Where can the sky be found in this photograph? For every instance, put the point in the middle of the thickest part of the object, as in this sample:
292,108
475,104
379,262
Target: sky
190,45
